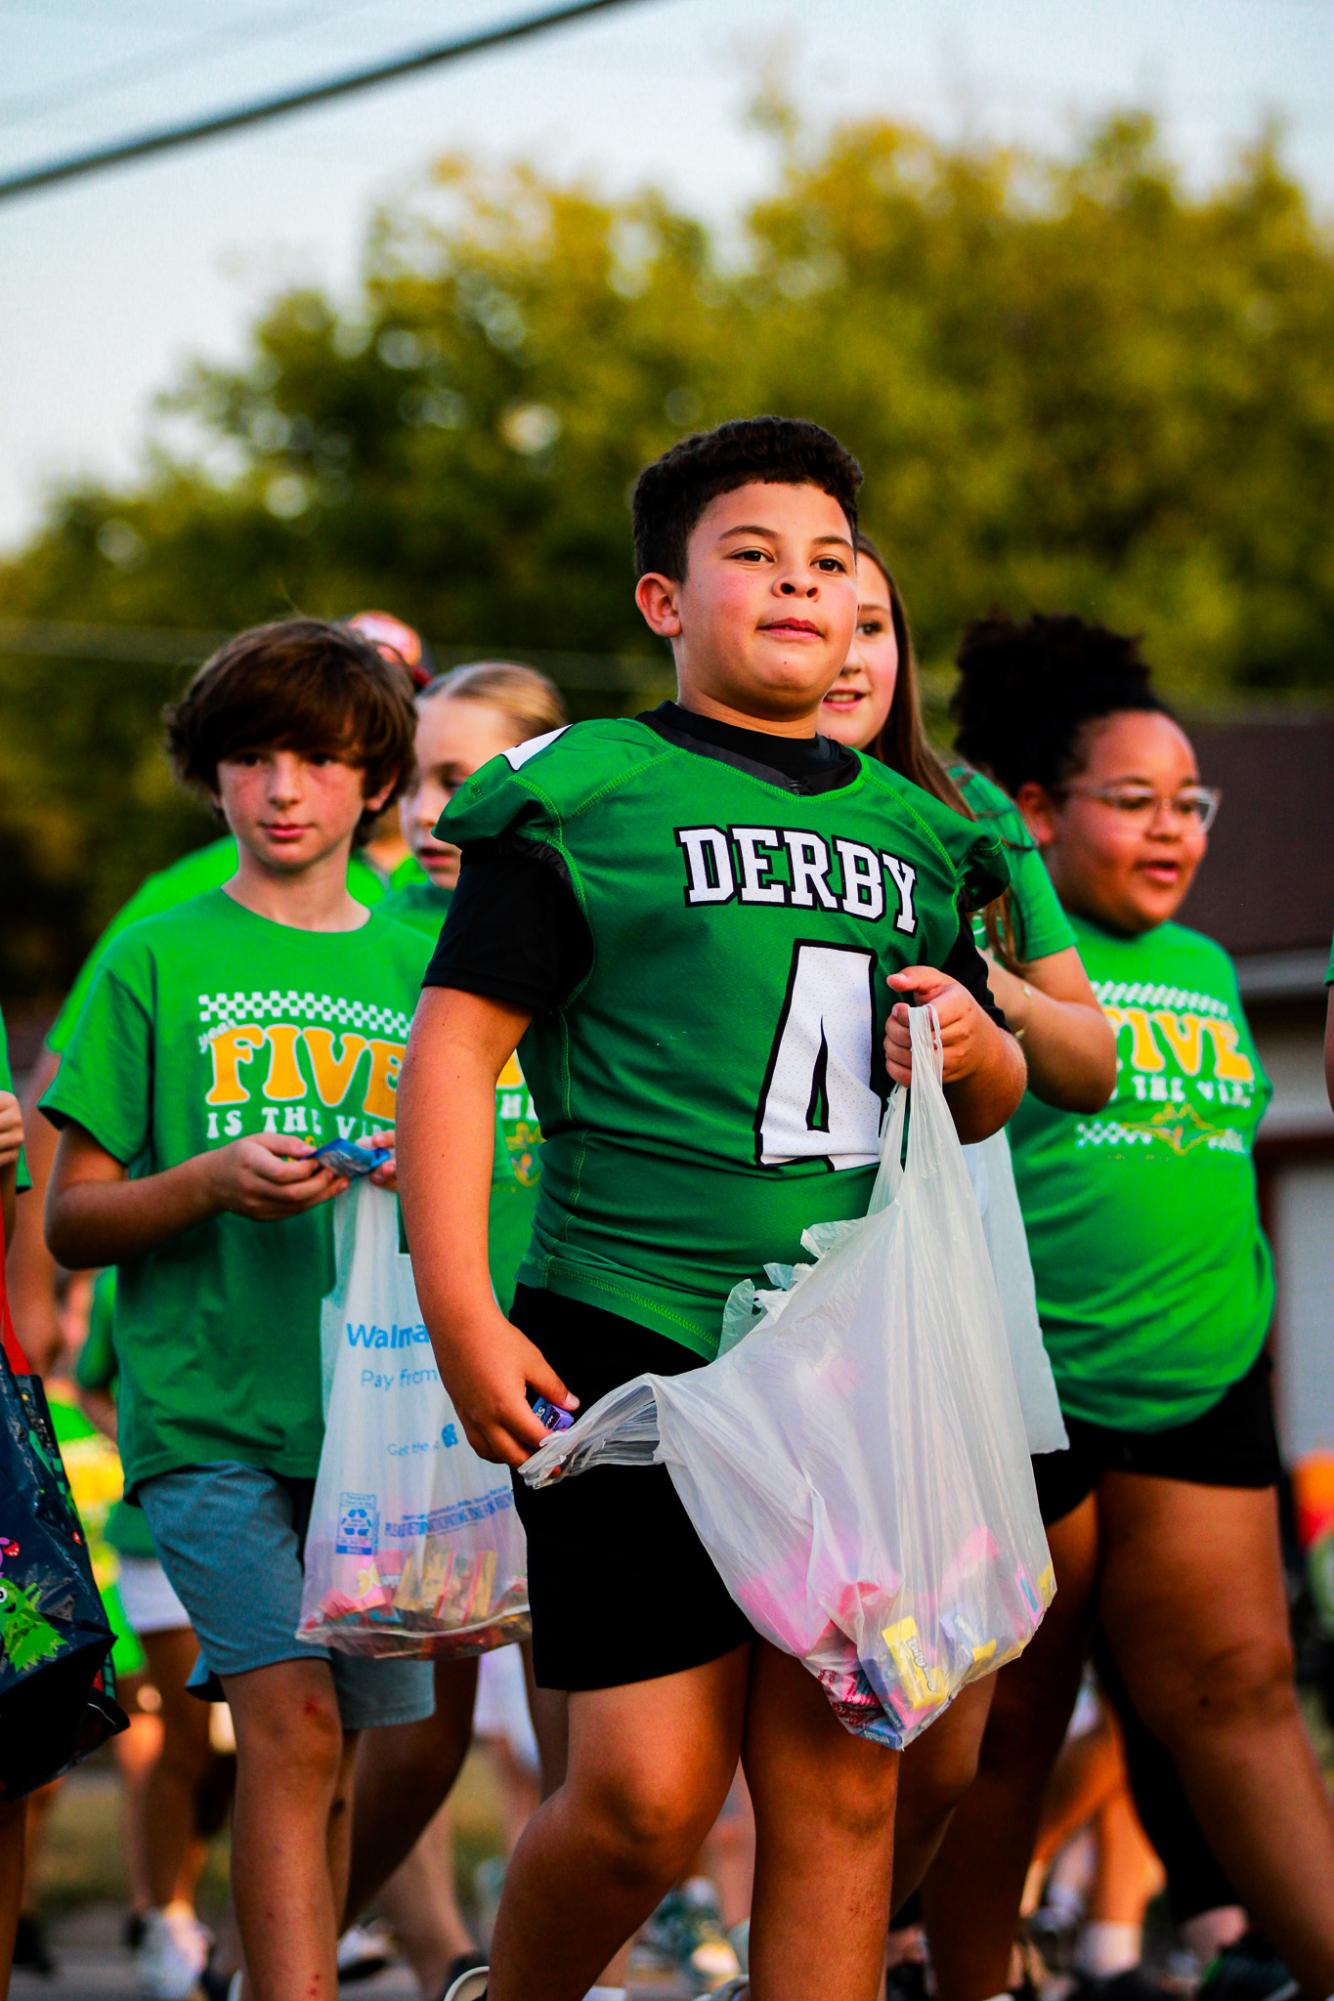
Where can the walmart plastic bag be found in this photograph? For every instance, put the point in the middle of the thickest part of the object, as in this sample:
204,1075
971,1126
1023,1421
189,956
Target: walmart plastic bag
414,1544
856,1464
991,1172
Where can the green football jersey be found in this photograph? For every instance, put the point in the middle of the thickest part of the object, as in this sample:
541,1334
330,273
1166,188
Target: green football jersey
715,1083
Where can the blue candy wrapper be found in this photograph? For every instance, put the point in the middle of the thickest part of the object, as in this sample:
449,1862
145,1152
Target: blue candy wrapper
344,1156
551,1414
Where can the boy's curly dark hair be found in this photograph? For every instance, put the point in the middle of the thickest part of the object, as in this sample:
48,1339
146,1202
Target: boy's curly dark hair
672,492
300,684
1028,688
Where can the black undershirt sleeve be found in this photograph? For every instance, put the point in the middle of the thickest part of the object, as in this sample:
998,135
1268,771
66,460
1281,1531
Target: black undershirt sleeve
514,931
964,963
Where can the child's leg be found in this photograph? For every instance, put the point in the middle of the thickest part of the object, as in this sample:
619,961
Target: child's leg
973,1890
1126,1875
174,1782
13,1830
404,1774
289,1757
421,1904
649,1767
338,1841
938,1768
1193,1606
824,1824
137,1752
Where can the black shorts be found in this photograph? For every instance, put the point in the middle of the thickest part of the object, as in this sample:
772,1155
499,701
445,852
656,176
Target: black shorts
1232,1444
621,1587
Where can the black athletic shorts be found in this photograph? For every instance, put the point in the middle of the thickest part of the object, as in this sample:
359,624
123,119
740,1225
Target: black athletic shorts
1232,1444
621,1587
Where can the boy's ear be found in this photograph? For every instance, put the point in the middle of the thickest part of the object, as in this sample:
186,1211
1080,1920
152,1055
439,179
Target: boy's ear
373,801
656,597
1038,807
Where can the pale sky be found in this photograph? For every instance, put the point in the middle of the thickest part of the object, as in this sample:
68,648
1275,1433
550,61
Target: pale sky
112,283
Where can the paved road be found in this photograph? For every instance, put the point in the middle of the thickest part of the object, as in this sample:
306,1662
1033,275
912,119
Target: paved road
95,1967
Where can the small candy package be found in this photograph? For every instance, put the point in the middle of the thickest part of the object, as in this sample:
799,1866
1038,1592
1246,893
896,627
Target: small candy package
414,1545
855,1462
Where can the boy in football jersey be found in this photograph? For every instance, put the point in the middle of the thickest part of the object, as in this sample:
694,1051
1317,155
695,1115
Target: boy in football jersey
706,924
221,1043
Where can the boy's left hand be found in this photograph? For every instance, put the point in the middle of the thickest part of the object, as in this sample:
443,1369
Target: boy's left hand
963,1024
11,1129
387,1175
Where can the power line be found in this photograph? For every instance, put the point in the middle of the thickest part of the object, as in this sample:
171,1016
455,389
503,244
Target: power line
142,145
88,85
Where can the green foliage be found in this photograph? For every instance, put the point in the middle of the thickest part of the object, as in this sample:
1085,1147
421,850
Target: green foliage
1072,383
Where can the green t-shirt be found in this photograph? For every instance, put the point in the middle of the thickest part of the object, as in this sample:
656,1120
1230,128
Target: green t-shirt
1041,926
714,1085
127,1529
1154,1279
513,1199
206,1023
201,870
1329,976
22,1178
407,874
419,904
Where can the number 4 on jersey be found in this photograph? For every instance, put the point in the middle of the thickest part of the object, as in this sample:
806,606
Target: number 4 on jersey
818,1101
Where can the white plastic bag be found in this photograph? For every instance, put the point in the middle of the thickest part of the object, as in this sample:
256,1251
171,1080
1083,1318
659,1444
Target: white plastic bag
991,1172
414,1544
856,1465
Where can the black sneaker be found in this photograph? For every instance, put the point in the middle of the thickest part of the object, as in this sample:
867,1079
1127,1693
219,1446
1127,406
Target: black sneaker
32,1948
1054,1932
214,1986
1247,1970
910,1980
1132,1985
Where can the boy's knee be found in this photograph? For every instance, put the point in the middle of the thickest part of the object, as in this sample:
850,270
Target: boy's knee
858,1798
300,1727
185,1758
652,1829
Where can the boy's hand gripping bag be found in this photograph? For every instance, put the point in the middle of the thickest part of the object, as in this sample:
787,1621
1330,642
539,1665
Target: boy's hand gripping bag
414,1544
57,1701
856,1465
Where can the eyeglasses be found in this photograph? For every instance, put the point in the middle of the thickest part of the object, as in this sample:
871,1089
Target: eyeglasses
1194,805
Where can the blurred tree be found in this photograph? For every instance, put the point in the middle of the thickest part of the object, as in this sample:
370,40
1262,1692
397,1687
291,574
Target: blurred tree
1072,383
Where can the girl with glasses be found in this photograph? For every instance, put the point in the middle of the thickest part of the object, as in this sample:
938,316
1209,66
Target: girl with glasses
1155,1291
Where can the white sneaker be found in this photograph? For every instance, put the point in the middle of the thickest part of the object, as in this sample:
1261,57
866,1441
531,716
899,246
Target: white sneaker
173,1954
362,1951
469,1986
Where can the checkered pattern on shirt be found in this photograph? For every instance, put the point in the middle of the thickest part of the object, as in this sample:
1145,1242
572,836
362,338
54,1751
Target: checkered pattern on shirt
286,1004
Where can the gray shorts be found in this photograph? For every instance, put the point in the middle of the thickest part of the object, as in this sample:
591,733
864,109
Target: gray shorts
230,1538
